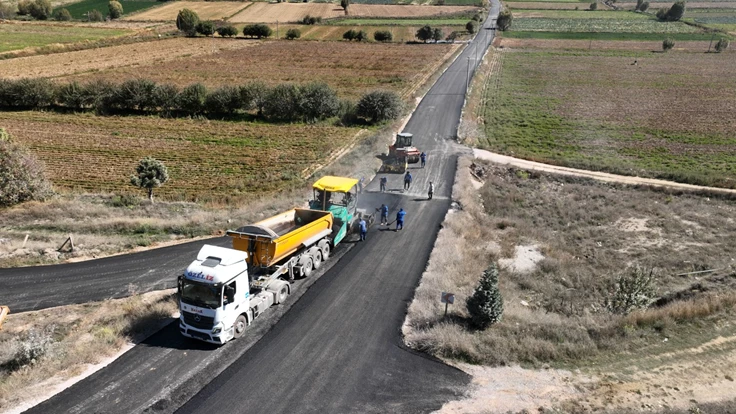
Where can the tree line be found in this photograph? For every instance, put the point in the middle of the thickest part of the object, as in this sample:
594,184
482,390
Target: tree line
285,102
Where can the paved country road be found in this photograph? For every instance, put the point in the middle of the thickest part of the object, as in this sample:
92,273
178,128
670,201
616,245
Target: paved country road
339,346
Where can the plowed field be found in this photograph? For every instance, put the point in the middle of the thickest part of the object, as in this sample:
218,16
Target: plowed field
206,10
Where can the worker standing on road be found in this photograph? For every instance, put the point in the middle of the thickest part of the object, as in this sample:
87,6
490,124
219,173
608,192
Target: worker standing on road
431,190
400,219
363,229
384,214
423,157
360,184
407,180
383,181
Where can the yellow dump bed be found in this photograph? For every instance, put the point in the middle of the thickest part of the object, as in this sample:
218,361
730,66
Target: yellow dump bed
274,239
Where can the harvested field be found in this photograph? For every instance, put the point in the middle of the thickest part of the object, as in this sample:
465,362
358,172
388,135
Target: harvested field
206,10
17,36
550,44
576,109
154,53
206,159
351,68
521,5
400,34
293,12
691,5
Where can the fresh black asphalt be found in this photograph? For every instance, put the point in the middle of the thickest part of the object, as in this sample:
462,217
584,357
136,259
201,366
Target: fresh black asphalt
339,346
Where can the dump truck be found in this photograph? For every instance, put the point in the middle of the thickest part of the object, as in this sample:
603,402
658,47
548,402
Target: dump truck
401,154
224,290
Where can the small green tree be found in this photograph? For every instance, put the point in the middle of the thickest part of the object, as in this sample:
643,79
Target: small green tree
676,12
379,106
593,6
257,30
224,100
95,16
41,9
227,31
452,36
283,103
318,101
192,98
24,7
425,33
668,44
661,14
293,34
62,15
115,9
722,44
165,97
383,36
437,34
631,291
206,28
485,306
254,96
187,21
350,35
22,176
505,18
471,26
149,174
345,4
644,6
361,36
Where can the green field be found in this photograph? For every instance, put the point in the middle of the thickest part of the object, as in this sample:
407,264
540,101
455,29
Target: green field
21,36
400,22
635,24
606,36
722,19
79,10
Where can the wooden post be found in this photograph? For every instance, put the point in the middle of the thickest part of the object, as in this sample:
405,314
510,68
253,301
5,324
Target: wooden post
24,242
445,310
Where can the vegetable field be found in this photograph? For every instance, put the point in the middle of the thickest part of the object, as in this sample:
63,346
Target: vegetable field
16,36
79,10
207,160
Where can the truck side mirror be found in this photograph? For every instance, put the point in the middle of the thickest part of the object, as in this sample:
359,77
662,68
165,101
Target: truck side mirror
179,284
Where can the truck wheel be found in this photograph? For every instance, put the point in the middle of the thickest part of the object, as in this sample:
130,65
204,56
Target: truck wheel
317,258
283,293
306,264
239,328
325,247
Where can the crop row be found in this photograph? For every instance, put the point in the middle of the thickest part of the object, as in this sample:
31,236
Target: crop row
600,25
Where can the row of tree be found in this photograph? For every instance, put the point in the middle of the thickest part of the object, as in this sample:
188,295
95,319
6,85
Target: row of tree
287,102
42,10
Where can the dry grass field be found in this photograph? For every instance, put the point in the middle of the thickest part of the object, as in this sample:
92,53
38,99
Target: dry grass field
206,10
520,5
351,68
401,34
608,45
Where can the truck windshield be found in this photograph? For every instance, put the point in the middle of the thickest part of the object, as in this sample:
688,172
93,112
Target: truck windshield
198,294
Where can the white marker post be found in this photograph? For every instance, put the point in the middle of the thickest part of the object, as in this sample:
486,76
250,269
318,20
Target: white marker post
448,299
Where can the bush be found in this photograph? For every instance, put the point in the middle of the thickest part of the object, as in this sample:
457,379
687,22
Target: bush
644,6
318,101
224,100
674,13
668,44
7,11
383,36
471,26
74,96
149,174
227,31
205,28
257,30
350,35
662,14
478,17
631,291
187,21
27,93
24,7
254,96
293,34
63,15
192,98
22,176
347,113
135,94
451,37
41,9
115,9
101,94
593,6
311,19
485,306
283,103
505,18
379,106
32,348
361,36
722,44
165,97
95,16
437,34
425,33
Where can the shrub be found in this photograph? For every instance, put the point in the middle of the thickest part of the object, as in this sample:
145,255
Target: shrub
187,21
227,31
101,94
205,28
7,11
631,291
165,97
452,36
318,101
257,30
135,94
32,348
471,26
29,93
662,14
644,6
149,174
346,113
674,13
379,106
505,18
383,36
41,9
192,98
425,33
722,44
593,6
350,35
668,44
283,103
361,36
478,17
293,34
485,306
115,9
24,7
254,96
22,176
73,96
311,19
437,34
95,16
224,100
63,15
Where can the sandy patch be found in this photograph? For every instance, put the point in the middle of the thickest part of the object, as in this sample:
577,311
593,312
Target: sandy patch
632,224
525,259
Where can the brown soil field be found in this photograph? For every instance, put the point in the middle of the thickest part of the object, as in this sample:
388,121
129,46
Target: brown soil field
206,10
131,55
547,5
205,158
693,5
351,68
690,46
292,12
400,34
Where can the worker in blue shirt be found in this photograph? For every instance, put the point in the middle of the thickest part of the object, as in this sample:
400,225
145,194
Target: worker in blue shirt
400,219
423,157
383,183
407,180
384,214
363,229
